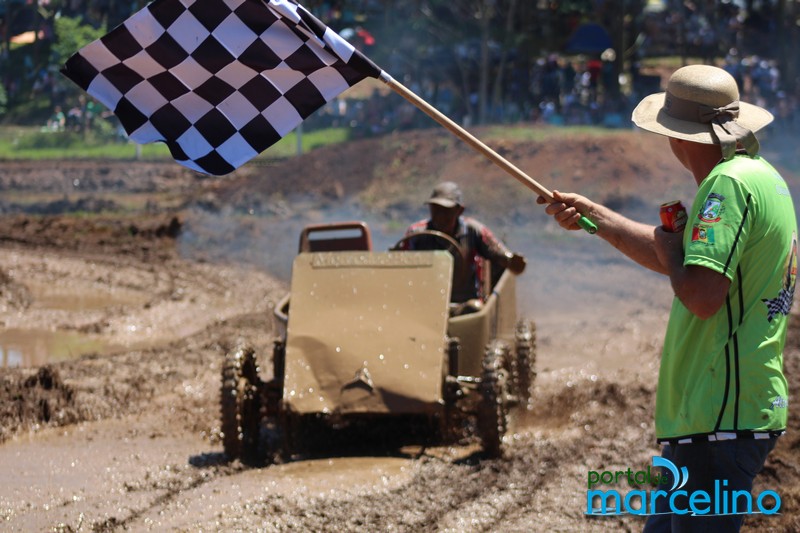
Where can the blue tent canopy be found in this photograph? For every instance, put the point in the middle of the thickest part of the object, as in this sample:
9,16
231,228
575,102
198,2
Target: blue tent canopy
589,38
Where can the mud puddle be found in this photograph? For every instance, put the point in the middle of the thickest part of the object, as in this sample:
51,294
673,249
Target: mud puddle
36,347
68,306
62,307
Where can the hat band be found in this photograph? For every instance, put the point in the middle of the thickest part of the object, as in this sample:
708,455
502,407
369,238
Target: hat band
724,126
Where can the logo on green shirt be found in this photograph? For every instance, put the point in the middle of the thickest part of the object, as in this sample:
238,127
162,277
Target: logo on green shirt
712,209
779,403
703,234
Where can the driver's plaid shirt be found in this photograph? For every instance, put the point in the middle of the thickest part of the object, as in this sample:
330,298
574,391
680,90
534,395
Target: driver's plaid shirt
477,242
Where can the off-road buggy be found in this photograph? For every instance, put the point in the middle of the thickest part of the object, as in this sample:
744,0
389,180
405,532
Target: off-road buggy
369,347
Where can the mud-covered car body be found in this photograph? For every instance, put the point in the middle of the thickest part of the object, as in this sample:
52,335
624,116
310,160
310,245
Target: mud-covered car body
367,344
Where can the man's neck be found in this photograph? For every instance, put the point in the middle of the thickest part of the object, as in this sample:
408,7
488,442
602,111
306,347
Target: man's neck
703,160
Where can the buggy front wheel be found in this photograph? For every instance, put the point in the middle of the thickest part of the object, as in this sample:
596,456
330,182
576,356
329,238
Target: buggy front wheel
240,404
525,361
493,405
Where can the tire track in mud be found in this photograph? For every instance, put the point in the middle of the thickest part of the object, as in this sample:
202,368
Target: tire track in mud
171,489
450,490
441,496
466,496
537,486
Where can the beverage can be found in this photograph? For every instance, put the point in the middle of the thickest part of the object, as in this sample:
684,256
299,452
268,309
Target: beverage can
673,216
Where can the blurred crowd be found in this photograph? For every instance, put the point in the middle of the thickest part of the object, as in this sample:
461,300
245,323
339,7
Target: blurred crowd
556,89
80,116
561,91
761,82
577,92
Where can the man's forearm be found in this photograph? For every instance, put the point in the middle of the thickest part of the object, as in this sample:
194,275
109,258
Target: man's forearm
634,239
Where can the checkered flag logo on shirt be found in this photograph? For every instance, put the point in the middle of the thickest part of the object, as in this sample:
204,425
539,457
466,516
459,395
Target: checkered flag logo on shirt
218,81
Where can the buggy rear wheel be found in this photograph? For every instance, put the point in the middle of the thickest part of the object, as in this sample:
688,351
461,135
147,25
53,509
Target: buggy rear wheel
492,413
240,404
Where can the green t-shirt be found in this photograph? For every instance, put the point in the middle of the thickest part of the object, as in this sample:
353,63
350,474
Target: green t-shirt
723,377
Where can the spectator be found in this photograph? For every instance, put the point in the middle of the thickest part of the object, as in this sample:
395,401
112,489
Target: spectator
57,120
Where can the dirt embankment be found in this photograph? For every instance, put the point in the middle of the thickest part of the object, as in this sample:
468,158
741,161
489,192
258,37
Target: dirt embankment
180,267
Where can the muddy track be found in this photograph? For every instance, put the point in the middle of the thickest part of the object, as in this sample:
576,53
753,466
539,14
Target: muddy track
127,438
137,431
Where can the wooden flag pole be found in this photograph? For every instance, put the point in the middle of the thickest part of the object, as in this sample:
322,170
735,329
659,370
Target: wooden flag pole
475,143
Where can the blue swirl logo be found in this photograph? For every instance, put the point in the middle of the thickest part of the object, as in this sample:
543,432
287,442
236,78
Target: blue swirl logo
681,476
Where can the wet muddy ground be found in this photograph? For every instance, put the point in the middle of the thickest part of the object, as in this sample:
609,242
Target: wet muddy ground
126,436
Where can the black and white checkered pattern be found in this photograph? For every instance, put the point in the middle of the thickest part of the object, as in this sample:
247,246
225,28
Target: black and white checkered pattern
780,305
219,81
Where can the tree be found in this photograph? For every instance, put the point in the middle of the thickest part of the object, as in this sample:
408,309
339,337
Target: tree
454,24
71,34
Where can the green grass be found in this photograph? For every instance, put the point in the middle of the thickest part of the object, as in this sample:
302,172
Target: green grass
29,143
535,133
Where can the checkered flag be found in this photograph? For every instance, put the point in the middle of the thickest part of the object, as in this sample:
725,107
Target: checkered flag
780,305
218,81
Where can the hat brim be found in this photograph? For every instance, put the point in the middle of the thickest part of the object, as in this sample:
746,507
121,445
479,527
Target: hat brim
444,202
649,115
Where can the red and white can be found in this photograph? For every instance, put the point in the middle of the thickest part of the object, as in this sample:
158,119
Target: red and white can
673,216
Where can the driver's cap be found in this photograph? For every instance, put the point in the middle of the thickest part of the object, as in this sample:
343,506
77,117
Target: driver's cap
446,194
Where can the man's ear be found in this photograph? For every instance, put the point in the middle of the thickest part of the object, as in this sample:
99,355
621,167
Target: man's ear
460,210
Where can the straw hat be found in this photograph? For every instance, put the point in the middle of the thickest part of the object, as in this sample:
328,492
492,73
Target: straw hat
701,104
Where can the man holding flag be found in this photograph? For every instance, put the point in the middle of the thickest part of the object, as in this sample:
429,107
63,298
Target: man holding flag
722,396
